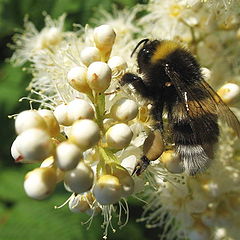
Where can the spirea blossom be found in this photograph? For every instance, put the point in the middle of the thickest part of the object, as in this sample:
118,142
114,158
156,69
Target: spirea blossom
90,131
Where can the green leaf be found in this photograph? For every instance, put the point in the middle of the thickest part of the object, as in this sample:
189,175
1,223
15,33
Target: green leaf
13,81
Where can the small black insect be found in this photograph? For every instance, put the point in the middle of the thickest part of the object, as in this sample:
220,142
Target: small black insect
173,82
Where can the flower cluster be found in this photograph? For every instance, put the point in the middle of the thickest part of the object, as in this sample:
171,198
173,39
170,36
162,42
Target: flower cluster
89,130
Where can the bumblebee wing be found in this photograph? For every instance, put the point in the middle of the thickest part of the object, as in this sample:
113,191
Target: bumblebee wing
195,109
224,111
200,99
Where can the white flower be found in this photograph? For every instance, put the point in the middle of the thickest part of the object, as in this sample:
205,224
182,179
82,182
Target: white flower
32,42
63,71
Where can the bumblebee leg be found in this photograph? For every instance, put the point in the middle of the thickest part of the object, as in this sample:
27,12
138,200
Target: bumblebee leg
141,166
137,83
156,112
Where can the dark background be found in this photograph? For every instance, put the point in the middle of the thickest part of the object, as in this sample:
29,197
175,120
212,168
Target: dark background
22,218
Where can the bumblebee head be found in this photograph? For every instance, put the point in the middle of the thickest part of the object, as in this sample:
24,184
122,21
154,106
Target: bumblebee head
145,53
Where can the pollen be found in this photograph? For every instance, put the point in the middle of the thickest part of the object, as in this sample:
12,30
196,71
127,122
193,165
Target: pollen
175,10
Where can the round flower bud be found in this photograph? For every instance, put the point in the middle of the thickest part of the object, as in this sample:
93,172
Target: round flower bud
15,153
99,76
51,122
67,156
80,179
107,190
61,114
124,110
124,178
117,63
34,145
79,109
172,161
29,119
85,133
104,37
229,92
77,78
119,136
89,55
49,162
40,183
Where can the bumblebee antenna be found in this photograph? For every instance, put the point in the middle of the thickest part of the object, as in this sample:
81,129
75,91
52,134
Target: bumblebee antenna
142,41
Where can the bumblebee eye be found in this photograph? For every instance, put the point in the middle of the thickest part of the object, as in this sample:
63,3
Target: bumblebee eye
144,56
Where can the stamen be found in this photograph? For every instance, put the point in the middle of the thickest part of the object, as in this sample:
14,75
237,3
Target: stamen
72,196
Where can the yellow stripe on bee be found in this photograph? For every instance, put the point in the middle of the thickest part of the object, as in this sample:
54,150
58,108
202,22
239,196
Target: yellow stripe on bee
163,50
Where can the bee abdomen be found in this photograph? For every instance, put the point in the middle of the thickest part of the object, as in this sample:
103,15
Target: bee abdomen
200,130
194,141
194,159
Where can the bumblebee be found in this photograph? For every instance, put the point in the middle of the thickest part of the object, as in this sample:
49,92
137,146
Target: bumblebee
172,81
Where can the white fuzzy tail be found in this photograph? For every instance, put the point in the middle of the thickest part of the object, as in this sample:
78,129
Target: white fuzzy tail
194,159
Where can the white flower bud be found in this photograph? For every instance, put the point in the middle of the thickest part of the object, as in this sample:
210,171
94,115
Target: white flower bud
107,190
85,133
104,37
51,121
40,183
229,92
119,136
117,63
34,145
99,76
124,178
80,179
79,109
77,78
172,161
124,110
67,156
15,153
29,119
127,185
49,163
89,55
61,114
